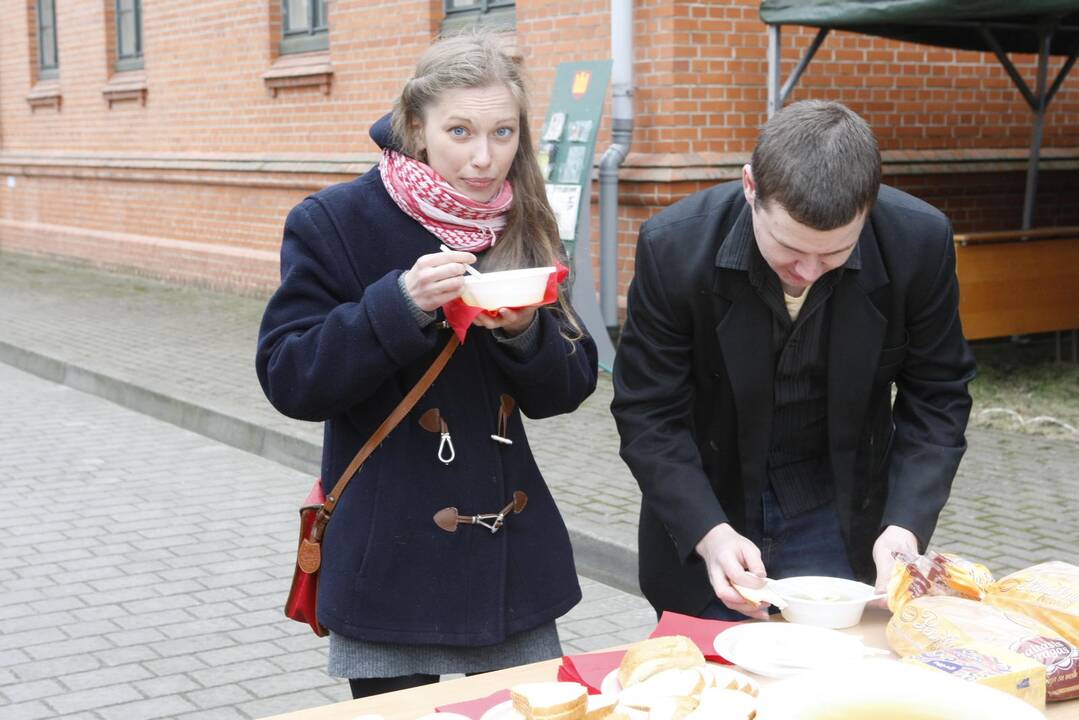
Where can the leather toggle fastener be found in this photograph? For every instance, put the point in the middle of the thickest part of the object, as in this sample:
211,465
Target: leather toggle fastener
432,421
505,409
448,518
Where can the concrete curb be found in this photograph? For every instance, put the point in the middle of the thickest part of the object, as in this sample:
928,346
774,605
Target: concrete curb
596,558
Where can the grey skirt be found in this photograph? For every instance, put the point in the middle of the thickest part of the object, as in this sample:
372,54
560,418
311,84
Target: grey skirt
352,658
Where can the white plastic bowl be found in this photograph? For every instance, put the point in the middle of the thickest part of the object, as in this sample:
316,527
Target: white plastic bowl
506,288
826,602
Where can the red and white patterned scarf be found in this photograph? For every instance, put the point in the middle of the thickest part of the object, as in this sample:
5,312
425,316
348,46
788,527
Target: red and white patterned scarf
457,220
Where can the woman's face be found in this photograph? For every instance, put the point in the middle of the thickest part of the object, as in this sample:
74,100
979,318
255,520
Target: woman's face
471,137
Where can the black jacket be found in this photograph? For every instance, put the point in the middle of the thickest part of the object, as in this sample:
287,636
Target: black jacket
694,385
339,345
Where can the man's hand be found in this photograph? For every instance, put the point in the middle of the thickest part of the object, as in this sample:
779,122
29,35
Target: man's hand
892,539
732,558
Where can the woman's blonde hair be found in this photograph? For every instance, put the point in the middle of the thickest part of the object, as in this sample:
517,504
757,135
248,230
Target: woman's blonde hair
480,60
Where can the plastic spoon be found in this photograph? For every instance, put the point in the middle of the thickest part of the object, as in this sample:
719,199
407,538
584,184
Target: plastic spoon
471,270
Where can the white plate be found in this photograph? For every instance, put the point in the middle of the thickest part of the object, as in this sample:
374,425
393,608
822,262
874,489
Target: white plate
869,688
779,649
502,711
611,687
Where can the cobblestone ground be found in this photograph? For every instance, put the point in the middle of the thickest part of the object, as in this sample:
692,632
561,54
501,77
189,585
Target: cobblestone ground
110,609
199,347
143,568
1012,504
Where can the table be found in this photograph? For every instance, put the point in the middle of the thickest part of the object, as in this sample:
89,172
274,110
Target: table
411,704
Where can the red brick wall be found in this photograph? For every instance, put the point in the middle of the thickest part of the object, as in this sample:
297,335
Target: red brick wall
994,200
700,97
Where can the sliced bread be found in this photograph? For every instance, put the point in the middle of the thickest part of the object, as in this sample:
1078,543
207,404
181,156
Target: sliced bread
600,707
667,683
655,655
673,708
726,704
726,678
550,700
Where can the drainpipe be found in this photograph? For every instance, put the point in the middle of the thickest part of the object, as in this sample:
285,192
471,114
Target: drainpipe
621,137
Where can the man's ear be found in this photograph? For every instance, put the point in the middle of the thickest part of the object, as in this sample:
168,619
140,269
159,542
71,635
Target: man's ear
749,187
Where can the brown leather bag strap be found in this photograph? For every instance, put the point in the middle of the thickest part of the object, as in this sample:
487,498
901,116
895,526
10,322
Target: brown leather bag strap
391,421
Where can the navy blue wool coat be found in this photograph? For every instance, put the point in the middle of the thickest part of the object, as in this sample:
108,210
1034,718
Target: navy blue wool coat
338,345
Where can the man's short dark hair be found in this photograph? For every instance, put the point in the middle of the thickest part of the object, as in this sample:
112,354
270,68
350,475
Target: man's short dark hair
819,161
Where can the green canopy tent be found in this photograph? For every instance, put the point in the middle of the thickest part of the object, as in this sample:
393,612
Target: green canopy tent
1045,27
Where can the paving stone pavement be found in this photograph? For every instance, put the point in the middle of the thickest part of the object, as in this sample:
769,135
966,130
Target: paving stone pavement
143,568
187,355
109,609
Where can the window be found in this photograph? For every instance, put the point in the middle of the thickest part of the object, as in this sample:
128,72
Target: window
461,14
48,63
303,26
128,34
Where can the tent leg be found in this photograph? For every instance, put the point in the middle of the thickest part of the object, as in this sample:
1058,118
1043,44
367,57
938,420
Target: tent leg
802,65
775,101
1040,95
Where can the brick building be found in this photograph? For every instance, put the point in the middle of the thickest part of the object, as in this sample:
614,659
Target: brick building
171,138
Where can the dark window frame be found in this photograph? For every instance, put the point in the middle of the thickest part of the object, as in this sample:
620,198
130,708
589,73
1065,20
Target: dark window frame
495,14
313,37
133,60
46,70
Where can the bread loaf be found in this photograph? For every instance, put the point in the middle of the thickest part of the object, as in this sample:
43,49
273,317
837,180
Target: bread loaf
600,707
550,700
934,623
726,704
672,708
1048,592
667,683
655,655
990,665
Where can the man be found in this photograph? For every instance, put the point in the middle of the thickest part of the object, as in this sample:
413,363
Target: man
767,322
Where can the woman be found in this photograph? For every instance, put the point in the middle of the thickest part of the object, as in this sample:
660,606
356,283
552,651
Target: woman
355,323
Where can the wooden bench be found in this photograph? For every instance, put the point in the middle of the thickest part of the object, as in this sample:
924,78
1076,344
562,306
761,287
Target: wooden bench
1018,282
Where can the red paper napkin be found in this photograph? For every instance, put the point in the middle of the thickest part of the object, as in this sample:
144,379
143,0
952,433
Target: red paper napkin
476,708
589,669
460,316
699,630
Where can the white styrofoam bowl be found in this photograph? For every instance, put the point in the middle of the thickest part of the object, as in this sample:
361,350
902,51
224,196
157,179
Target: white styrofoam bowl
506,288
827,602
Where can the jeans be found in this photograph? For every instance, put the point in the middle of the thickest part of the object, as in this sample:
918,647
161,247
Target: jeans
809,543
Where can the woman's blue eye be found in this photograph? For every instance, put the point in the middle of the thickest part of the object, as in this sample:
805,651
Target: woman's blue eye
504,132
457,131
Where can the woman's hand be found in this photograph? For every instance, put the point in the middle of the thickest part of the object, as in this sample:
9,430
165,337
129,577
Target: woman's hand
512,322
437,278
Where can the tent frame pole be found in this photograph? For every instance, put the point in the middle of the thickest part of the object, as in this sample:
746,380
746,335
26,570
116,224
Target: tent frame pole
778,95
1038,99
1045,36
775,37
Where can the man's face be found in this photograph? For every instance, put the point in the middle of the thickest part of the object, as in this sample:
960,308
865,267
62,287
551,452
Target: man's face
798,254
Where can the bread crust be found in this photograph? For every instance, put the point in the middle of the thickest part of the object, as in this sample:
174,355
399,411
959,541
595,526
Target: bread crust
550,700
655,655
